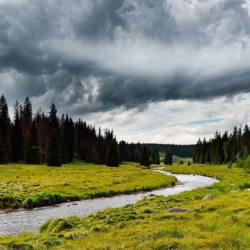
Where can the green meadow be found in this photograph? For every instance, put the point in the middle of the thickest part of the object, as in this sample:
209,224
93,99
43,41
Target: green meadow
32,186
220,223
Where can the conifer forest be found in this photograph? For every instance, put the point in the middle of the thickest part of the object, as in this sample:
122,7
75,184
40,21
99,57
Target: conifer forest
41,137
226,148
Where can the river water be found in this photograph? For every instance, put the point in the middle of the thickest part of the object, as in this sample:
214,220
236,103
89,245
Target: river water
23,220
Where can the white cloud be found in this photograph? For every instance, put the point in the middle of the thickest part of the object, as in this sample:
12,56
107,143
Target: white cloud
169,122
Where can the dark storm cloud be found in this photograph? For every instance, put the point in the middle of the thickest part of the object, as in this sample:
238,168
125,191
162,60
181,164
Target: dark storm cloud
90,56
100,21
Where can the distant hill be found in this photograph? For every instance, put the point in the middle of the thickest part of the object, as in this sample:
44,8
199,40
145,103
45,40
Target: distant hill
178,150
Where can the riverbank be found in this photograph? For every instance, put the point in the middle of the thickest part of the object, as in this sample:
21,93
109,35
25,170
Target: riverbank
32,186
29,220
220,223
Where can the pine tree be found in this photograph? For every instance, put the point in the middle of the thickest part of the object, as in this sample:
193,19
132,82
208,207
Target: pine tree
136,155
56,149
113,155
150,160
122,148
54,157
7,144
5,126
17,136
3,154
4,117
43,129
83,153
197,152
26,121
208,153
227,151
33,154
69,137
144,159
64,152
203,152
53,118
168,160
157,159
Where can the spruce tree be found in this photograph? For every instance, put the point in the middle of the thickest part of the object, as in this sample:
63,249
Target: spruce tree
26,121
56,154
113,155
168,160
54,157
3,154
4,117
83,153
68,133
53,118
144,159
33,154
157,159
43,129
17,136
5,126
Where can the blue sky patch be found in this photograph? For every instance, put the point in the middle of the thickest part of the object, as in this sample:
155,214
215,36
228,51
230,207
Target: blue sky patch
200,122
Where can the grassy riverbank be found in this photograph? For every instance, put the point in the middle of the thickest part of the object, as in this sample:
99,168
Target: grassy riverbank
31,186
220,223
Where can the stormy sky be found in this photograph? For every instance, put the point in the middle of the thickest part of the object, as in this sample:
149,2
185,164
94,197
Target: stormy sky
162,71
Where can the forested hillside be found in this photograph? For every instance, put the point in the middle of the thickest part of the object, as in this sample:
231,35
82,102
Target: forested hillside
223,148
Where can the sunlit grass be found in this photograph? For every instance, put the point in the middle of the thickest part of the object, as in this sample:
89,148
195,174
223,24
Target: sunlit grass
31,186
220,223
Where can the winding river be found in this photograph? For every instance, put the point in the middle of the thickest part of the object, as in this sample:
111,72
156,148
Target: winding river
23,220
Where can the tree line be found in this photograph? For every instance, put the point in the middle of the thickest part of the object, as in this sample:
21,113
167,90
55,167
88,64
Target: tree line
177,150
226,148
37,137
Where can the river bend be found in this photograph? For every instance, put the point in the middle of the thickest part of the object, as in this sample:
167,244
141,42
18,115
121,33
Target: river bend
23,220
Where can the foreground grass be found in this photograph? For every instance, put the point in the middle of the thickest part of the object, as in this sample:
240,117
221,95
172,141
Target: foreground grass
220,223
31,186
